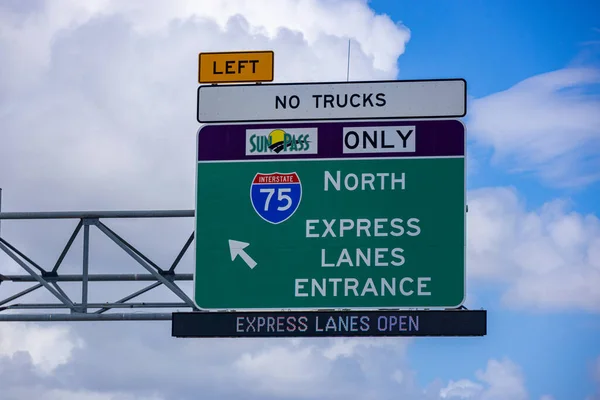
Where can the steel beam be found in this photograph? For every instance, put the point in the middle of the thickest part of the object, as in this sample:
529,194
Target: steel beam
86,317
97,214
98,278
57,306
85,276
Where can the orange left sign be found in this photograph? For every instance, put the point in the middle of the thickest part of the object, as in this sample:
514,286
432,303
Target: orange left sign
243,66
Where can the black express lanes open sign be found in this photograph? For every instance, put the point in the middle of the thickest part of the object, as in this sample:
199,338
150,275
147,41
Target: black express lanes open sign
330,323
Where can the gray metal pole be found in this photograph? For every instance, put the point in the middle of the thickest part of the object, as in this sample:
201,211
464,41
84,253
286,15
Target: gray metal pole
86,253
0,211
87,317
98,214
99,278
53,306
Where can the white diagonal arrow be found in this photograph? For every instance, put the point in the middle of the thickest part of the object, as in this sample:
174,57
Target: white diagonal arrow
237,249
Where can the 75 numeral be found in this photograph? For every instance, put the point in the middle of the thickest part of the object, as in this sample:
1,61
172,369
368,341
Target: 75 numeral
281,196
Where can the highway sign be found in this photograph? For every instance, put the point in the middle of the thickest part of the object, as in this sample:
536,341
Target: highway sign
330,215
330,323
240,66
442,98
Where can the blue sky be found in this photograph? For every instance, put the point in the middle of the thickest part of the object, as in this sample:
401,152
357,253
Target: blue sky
494,45
97,109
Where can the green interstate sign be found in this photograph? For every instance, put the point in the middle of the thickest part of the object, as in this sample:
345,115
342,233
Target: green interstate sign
336,215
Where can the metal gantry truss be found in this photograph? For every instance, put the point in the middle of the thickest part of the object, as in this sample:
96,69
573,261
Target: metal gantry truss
50,279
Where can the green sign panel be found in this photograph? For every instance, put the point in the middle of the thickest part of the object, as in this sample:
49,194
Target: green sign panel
343,215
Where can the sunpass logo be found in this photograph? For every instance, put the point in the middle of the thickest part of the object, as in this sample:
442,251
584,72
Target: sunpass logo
281,141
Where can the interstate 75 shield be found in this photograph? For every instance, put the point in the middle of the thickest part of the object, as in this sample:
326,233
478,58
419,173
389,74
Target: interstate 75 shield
276,196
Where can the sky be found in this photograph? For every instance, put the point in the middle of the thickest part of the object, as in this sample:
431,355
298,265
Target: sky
97,111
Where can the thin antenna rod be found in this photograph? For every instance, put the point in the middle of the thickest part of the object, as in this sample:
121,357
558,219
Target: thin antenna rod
348,67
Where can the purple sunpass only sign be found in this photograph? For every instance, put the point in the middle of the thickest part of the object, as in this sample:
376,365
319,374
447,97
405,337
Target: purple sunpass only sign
322,140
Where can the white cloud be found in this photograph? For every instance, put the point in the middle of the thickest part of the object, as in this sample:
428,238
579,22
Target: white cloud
319,369
547,124
282,371
398,376
139,361
504,379
98,106
97,101
462,389
501,380
309,28
549,257
348,347
125,361
48,346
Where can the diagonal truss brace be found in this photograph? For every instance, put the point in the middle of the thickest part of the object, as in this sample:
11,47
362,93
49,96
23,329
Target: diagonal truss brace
174,288
10,250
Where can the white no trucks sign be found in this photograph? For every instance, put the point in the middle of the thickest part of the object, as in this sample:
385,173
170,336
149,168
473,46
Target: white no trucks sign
332,101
